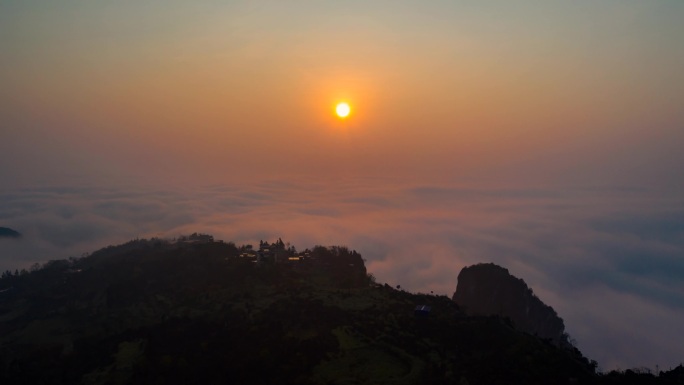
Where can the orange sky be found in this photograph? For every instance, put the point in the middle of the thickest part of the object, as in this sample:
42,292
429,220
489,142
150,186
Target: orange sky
507,91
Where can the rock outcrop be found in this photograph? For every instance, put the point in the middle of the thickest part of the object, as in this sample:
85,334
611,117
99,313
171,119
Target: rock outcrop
488,289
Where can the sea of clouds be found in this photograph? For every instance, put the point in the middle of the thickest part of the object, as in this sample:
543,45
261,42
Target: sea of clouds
610,261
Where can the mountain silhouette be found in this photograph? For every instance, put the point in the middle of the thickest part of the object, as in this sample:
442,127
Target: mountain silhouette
6,232
488,289
199,311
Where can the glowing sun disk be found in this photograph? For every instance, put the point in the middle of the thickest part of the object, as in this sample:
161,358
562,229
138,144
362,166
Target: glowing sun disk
342,110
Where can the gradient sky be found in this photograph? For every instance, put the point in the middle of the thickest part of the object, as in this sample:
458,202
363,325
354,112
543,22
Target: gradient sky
546,136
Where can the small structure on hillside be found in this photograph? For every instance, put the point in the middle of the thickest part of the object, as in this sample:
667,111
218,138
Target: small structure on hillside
422,310
196,238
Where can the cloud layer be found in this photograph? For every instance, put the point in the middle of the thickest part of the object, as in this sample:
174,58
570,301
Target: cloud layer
610,262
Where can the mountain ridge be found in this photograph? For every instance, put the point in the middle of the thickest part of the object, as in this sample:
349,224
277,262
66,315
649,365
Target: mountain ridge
196,310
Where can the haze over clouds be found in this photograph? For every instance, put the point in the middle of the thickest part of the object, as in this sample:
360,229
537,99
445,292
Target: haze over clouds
543,137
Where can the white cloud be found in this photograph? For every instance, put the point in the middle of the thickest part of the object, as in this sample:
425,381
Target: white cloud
609,261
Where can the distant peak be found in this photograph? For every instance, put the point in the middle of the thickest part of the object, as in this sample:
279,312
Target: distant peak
489,289
6,232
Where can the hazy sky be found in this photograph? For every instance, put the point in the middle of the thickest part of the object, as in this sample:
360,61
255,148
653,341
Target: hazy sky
543,135
574,91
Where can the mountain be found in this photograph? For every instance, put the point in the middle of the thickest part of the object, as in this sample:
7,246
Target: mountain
200,311
488,289
6,232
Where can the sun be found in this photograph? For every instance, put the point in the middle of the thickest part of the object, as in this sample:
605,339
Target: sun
342,110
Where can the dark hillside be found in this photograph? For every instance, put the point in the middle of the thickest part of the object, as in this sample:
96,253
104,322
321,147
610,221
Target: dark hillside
197,311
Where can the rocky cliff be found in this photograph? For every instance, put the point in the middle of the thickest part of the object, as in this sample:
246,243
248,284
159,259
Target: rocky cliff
488,289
